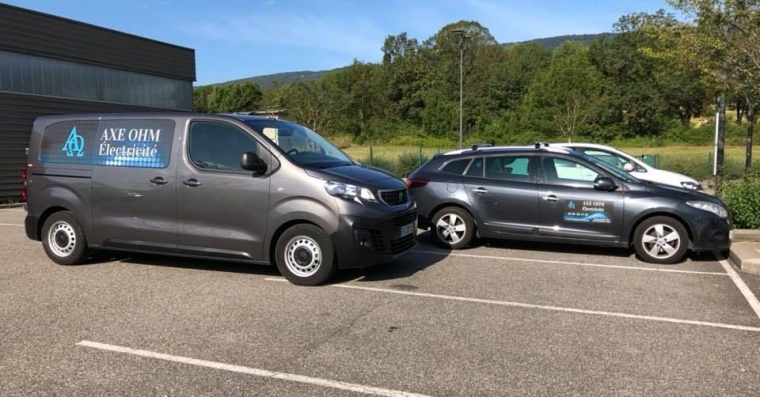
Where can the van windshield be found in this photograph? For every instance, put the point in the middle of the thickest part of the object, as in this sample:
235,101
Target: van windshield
302,145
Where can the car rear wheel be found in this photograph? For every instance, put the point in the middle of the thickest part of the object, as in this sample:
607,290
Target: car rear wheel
453,227
661,239
63,239
305,255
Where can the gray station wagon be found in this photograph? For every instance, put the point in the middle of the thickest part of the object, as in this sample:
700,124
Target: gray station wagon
552,194
228,187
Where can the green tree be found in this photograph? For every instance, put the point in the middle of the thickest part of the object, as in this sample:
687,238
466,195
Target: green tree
237,97
721,38
567,97
201,98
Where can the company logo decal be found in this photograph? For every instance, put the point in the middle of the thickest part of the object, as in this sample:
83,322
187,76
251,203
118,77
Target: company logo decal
74,146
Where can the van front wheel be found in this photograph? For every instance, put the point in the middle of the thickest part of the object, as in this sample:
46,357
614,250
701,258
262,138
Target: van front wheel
305,255
63,239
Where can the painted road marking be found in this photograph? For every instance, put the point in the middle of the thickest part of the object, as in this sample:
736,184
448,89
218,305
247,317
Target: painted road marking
539,307
375,391
513,259
748,295
11,224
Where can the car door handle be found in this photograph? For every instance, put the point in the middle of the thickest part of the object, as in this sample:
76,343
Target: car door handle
550,197
480,190
159,181
191,183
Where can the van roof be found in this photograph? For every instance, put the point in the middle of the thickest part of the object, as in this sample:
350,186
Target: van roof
177,113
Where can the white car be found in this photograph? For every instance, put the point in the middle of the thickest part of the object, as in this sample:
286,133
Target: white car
633,165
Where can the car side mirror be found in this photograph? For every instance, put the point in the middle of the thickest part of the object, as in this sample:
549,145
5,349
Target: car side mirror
628,167
604,183
249,161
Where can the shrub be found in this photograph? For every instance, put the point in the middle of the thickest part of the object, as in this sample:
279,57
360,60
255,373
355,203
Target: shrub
742,198
382,163
408,162
342,141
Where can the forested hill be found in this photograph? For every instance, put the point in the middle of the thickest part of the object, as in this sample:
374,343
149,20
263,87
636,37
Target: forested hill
265,81
551,43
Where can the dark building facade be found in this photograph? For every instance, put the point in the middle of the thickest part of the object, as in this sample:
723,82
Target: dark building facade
51,65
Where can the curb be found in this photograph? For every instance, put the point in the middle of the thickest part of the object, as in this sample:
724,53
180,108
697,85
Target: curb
746,256
13,205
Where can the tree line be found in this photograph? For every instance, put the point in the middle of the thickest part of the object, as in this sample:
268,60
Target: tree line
648,81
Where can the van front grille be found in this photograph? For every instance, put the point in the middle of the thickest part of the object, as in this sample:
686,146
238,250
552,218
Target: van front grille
395,197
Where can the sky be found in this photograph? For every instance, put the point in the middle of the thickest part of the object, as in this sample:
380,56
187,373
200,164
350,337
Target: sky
235,39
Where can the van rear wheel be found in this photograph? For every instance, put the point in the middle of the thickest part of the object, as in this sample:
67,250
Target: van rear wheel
63,239
305,255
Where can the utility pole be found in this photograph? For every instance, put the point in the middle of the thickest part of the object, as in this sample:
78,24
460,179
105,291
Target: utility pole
461,33
720,137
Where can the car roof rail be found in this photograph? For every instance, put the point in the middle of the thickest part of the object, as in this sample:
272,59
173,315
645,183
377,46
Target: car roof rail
482,144
538,144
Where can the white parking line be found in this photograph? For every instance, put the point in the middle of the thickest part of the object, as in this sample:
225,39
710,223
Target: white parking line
515,259
540,307
748,295
375,391
11,224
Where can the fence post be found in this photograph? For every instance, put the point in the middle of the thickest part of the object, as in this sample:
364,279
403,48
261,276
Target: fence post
419,157
370,156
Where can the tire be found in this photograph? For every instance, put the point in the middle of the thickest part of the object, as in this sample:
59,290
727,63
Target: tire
305,255
455,230
661,239
63,239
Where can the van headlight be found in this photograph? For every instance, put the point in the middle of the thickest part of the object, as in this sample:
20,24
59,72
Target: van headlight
691,185
350,192
706,206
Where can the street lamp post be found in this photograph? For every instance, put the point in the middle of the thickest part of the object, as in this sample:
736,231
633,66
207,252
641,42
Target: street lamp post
461,34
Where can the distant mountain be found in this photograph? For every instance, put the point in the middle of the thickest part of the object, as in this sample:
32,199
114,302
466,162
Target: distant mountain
549,43
285,78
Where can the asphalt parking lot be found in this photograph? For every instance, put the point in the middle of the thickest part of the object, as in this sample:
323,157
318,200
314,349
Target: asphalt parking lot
496,320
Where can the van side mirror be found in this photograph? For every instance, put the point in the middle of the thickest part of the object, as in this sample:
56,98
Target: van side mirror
628,167
249,161
604,183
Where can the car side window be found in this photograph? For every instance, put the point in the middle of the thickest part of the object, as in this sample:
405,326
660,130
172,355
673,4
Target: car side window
220,146
456,167
511,168
476,168
561,171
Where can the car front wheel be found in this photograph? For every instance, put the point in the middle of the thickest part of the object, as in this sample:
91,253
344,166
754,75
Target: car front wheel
662,240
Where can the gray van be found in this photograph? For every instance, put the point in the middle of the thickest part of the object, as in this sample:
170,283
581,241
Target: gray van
228,187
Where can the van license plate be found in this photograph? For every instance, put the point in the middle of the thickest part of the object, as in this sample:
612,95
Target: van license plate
407,229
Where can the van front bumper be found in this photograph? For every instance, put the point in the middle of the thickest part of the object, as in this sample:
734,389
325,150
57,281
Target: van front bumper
362,241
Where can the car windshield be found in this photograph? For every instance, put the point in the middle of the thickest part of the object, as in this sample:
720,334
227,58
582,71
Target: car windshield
618,173
302,145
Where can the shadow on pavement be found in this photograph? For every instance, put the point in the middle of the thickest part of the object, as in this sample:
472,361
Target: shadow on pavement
402,267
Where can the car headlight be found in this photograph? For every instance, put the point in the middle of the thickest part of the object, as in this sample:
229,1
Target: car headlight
691,185
350,192
714,208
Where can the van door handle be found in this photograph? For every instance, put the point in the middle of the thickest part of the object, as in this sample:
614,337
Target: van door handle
159,181
480,190
191,183
550,197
